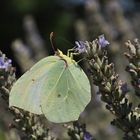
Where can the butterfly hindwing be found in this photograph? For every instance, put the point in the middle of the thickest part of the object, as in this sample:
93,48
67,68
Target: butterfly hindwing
68,96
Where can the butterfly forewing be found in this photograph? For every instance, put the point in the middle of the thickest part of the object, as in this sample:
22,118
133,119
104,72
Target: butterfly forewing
26,92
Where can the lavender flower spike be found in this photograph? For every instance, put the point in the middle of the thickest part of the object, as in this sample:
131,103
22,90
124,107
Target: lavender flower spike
102,42
80,46
87,136
4,63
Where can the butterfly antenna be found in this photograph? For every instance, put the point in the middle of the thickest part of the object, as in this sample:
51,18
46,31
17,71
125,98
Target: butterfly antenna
51,40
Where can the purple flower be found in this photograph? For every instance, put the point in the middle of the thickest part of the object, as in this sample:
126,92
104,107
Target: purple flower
124,88
4,63
80,46
87,136
102,42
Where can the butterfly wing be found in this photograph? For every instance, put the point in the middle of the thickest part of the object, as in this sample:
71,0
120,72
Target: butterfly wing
68,94
26,91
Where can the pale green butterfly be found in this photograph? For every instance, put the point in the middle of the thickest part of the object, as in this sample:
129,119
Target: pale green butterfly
55,86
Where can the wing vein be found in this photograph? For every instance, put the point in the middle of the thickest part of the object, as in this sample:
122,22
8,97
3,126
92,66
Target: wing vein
56,82
76,81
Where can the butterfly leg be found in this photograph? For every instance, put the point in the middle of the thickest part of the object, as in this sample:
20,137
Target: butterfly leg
70,51
72,54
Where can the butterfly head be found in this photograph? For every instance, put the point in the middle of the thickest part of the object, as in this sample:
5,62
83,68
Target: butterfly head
68,59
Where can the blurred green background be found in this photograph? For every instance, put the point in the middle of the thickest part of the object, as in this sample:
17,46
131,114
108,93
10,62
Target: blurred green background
25,26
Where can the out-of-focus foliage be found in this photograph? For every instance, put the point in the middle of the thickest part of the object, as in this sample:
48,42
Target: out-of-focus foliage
2,137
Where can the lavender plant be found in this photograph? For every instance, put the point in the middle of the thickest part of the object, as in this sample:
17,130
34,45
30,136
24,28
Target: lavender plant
133,67
7,76
78,132
112,90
